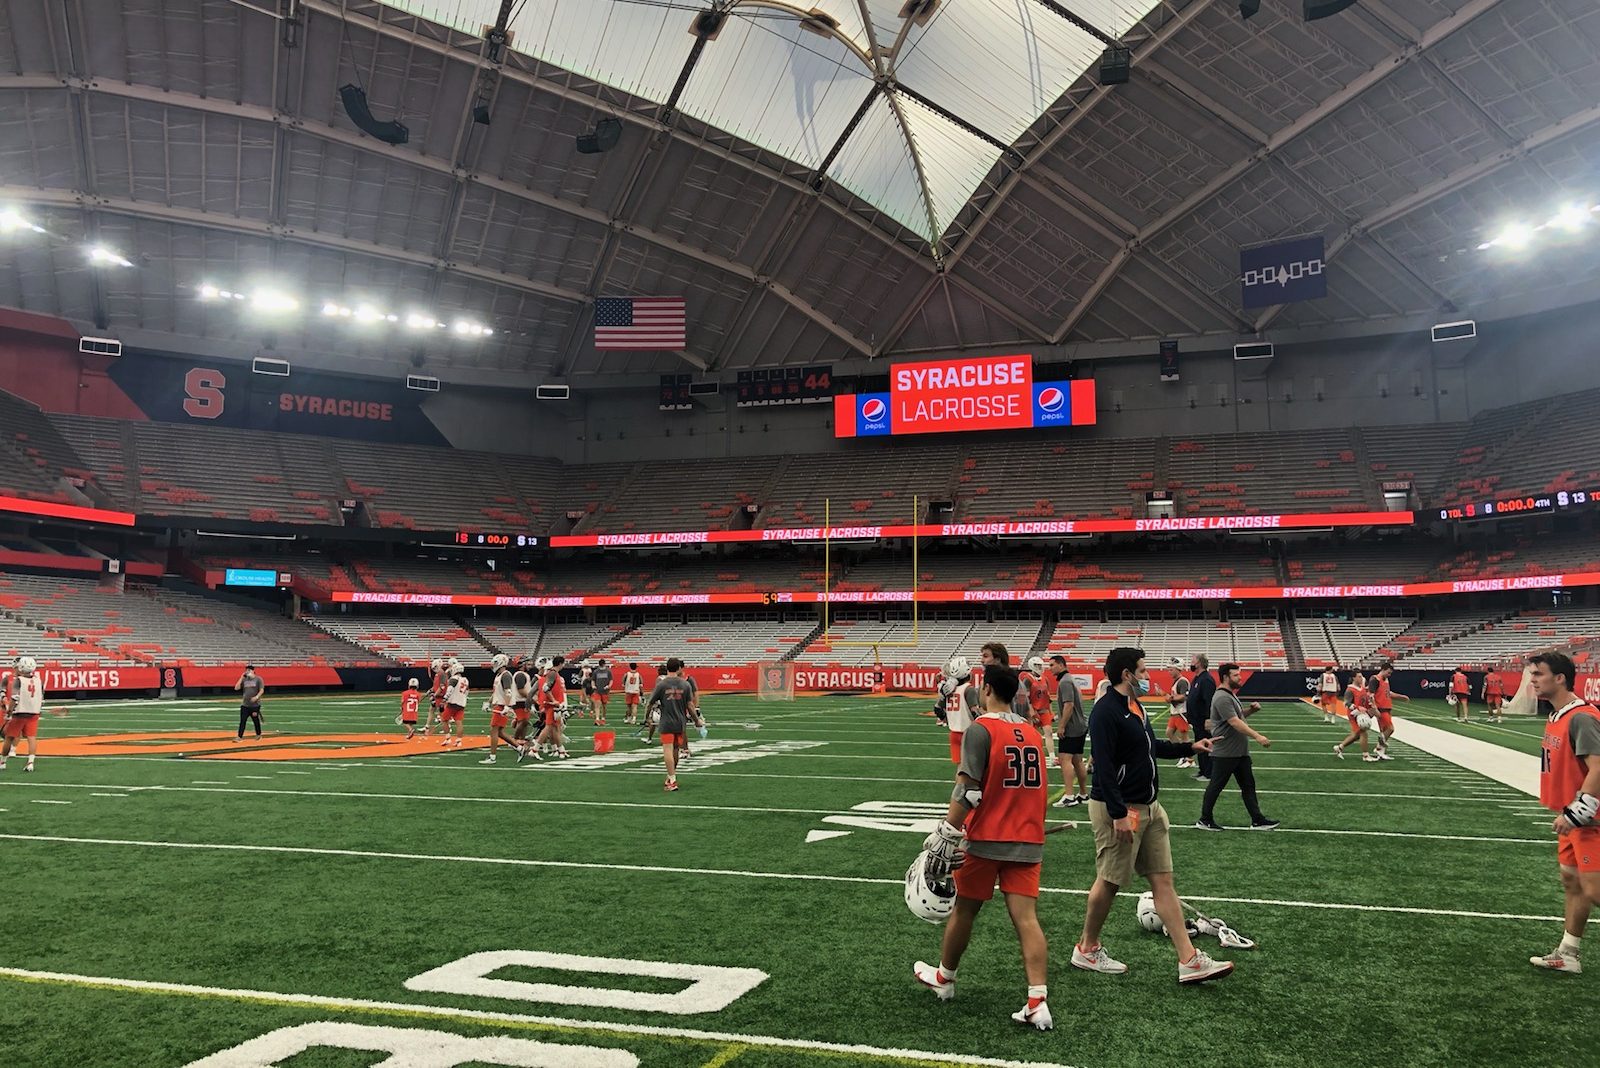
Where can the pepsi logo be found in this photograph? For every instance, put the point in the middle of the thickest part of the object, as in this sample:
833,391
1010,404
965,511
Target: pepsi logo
1051,399
874,409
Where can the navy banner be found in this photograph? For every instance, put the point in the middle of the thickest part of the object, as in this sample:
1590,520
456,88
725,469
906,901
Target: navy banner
1283,272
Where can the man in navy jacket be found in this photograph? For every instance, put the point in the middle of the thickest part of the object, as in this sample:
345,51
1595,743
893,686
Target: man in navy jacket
1197,709
1131,830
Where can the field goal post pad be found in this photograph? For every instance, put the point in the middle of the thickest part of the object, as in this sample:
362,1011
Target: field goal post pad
775,680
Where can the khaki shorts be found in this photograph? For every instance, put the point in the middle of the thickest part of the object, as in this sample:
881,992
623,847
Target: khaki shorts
1150,852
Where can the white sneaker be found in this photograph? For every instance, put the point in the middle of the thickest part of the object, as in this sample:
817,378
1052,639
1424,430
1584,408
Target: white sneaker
1201,968
487,760
1558,961
1038,1016
1370,758
928,975
1338,751
1383,754
29,766
1064,801
1096,960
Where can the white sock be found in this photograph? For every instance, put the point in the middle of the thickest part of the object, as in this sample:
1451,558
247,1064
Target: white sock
947,974
1570,944
1036,993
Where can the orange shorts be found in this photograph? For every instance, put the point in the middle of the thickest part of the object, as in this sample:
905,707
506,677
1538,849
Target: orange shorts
976,877
455,713
1177,723
632,699
955,748
522,714
22,726
1580,849
498,718
1385,723
679,740
1046,718
1493,700
408,717
1329,700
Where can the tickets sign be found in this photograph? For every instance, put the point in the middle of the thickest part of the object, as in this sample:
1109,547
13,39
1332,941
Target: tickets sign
945,396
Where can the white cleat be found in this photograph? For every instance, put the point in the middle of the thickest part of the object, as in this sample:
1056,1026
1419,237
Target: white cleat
1036,1017
487,760
1338,751
1370,758
1383,754
1558,961
1096,960
29,766
928,975
1201,968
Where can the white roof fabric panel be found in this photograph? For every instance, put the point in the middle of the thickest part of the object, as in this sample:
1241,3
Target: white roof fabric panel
996,64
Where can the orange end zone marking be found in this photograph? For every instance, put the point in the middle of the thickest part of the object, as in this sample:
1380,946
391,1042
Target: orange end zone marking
220,745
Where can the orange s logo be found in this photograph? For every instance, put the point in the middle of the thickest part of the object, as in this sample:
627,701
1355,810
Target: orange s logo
202,388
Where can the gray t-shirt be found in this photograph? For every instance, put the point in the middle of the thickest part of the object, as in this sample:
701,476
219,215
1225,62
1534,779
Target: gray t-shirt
602,679
1227,740
1584,734
250,688
1074,724
975,766
673,694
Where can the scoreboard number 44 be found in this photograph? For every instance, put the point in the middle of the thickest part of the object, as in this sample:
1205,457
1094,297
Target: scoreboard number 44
710,988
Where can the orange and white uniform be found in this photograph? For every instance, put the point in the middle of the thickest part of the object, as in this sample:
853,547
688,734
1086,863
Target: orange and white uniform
960,705
632,688
27,701
501,699
410,701
455,698
1328,688
1572,734
552,691
1004,754
1493,690
1384,703
1040,692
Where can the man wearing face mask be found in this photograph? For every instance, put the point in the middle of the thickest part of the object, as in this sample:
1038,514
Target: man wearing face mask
1197,709
1131,830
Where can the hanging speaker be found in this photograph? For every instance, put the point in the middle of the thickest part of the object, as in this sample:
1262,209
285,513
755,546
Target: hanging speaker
603,138
1321,9
355,105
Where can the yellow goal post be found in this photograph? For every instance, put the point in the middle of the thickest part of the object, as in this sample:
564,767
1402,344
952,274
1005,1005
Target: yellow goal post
827,589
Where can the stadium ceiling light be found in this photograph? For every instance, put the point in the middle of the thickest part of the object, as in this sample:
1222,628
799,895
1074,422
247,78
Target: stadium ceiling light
267,300
368,314
1571,218
330,308
12,220
418,321
102,256
209,292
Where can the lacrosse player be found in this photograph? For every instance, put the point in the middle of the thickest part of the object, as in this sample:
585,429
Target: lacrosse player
1459,692
997,814
501,700
1569,785
27,702
957,703
410,702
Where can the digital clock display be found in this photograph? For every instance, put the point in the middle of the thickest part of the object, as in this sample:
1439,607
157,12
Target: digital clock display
494,539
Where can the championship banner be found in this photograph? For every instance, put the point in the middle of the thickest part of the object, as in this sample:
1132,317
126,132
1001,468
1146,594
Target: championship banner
1283,272
943,396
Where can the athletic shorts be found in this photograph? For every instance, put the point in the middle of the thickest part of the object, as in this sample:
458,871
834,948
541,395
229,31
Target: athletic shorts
603,695
455,713
1150,852
1385,723
955,748
250,710
1073,746
1461,698
976,878
22,725
632,699
408,717
679,740
1493,700
498,718
521,710
1354,726
1046,720
1580,849
1177,723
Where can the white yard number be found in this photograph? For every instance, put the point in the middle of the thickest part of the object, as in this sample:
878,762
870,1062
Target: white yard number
412,1047
710,988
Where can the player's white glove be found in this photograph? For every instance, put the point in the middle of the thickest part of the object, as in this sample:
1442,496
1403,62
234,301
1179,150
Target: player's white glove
1582,811
944,843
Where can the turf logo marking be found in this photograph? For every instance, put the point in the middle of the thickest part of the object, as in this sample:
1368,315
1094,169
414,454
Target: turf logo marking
711,988
907,817
221,745
416,1047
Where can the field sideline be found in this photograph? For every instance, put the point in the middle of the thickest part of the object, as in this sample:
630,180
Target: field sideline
186,905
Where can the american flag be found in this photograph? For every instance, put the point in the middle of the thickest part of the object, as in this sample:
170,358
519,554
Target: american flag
640,323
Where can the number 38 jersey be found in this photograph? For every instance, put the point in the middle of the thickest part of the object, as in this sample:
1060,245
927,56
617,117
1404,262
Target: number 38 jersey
1006,754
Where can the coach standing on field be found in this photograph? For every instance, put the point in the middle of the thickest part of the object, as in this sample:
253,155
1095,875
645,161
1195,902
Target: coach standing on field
1131,832
1197,709
1230,752
251,689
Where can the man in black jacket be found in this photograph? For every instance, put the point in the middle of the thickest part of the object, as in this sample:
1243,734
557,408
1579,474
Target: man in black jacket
1197,709
1131,831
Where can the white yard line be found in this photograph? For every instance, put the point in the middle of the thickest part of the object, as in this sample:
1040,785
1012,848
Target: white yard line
1520,771
801,877
317,1001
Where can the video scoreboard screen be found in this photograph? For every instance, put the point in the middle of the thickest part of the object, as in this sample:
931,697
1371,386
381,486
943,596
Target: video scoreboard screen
1511,507
944,396
785,385
487,539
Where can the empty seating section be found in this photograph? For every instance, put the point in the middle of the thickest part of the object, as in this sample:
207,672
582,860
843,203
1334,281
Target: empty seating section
1361,563
705,495
574,640
416,487
407,639
871,486
1510,640
1415,454
930,642
35,460
1046,479
1346,642
710,642
78,621
1312,471
1430,631
1164,565
1251,643
946,571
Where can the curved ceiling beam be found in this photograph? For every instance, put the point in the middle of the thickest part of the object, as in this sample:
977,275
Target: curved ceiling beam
334,135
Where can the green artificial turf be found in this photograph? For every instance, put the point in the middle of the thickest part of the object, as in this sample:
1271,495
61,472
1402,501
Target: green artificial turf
1400,943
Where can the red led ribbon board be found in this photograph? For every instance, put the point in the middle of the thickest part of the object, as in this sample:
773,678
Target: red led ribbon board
76,513
949,396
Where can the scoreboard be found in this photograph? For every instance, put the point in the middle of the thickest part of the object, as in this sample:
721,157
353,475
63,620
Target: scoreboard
785,385
940,396
491,539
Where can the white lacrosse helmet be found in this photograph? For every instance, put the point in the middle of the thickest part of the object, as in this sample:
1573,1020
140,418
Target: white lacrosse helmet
1149,919
500,661
1450,699
958,668
26,665
1365,722
411,683
928,898
435,664
456,668
1036,665
543,664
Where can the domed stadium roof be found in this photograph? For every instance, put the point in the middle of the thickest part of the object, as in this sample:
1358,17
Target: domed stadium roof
824,182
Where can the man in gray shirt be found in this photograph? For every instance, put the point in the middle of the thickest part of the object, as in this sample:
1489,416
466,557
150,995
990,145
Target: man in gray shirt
602,690
674,696
250,689
1074,729
1230,751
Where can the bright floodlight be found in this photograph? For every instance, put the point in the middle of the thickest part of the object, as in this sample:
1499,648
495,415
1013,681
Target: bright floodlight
330,308
420,322
1571,218
1515,236
368,314
209,292
268,300
99,254
11,220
